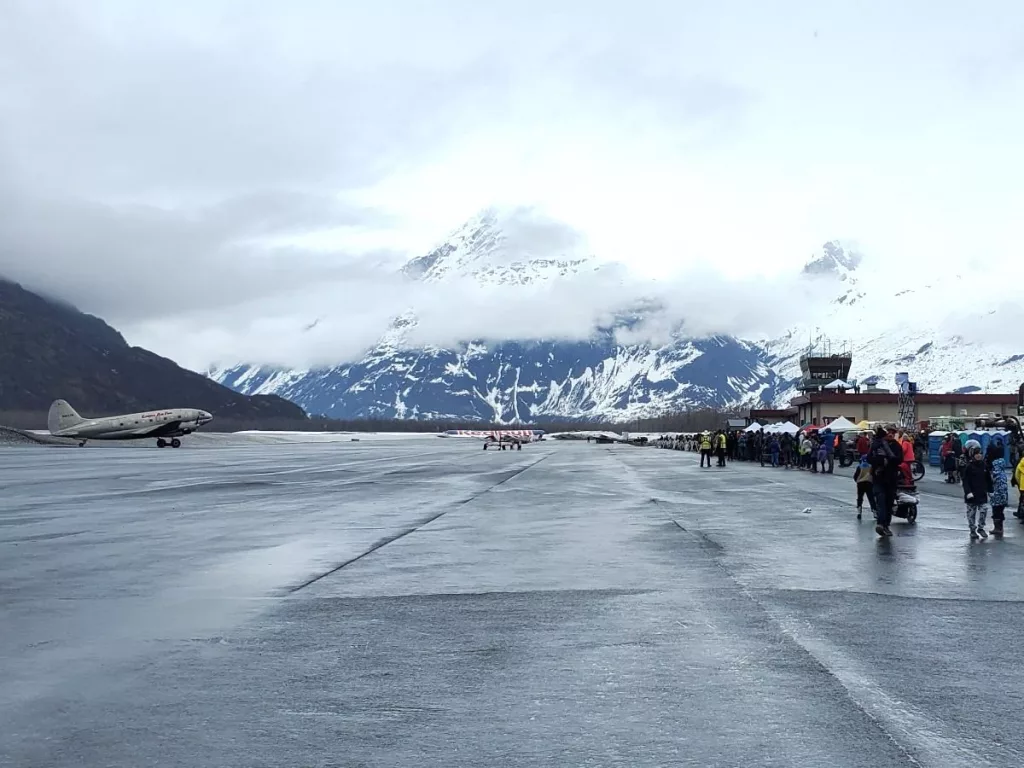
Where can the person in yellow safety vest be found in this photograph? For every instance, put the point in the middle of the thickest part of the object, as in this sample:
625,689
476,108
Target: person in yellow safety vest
720,448
705,449
1018,483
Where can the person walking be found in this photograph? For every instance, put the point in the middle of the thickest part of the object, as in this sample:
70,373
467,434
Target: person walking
884,462
862,476
976,488
1000,495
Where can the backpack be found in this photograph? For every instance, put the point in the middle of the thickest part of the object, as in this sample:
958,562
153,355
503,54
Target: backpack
878,455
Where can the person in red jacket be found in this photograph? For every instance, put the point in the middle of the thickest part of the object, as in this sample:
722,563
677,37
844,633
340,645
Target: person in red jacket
907,444
863,444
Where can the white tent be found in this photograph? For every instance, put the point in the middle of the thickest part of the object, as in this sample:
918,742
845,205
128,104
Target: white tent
753,427
841,424
838,384
778,429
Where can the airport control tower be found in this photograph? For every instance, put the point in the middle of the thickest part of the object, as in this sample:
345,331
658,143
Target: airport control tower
823,365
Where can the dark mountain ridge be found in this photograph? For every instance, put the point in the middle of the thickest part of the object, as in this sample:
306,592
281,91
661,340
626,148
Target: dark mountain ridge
50,350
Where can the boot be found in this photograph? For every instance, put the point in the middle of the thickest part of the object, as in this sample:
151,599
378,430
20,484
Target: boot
997,527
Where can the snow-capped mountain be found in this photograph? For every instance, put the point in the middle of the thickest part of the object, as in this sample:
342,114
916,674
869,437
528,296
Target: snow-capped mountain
889,326
923,326
522,382
510,381
496,249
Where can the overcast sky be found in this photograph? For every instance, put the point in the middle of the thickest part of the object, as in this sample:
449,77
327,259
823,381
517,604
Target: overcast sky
197,170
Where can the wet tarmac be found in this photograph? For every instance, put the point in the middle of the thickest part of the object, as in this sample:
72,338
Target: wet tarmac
423,602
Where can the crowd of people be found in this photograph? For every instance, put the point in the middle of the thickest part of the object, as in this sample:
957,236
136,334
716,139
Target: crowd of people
983,475
884,460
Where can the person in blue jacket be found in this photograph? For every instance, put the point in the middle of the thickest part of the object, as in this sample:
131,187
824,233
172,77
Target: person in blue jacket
1000,495
828,442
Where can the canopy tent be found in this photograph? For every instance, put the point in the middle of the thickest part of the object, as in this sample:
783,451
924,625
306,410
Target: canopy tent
838,384
786,428
753,427
842,424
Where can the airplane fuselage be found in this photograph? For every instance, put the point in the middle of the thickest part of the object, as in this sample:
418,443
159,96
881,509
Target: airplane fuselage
170,423
497,436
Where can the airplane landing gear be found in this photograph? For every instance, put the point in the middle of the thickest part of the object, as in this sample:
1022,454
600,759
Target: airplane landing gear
82,444
161,443
175,443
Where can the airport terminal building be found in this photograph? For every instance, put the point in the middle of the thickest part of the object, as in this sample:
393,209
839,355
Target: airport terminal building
823,407
826,393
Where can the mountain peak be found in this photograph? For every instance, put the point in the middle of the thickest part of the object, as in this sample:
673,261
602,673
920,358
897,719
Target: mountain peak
513,246
835,260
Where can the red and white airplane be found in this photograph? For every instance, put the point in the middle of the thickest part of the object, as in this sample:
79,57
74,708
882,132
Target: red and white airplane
513,439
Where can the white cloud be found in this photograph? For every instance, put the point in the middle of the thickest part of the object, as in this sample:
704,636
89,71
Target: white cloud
211,175
349,315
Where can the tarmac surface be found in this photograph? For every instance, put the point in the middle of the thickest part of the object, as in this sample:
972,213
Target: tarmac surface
423,602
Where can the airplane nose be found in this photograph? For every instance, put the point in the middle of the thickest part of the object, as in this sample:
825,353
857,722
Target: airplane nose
205,417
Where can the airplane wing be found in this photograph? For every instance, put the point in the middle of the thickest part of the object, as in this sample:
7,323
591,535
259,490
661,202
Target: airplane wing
168,429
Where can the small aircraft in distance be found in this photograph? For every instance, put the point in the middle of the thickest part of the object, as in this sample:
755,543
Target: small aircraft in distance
166,426
512,439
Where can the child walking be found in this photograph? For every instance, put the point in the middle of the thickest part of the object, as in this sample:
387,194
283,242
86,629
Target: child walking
976,484
1000,495
1018,483
863,477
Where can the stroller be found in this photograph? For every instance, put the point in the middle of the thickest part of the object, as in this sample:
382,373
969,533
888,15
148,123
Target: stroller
907,498
906,503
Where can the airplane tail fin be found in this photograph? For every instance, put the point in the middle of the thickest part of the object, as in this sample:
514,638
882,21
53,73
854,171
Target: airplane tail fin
62,416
